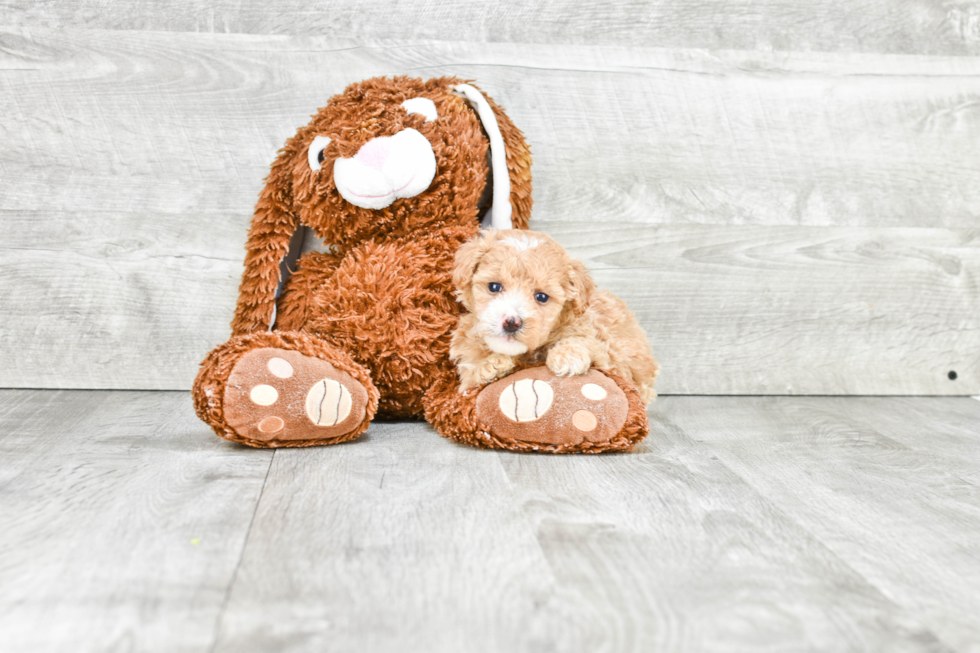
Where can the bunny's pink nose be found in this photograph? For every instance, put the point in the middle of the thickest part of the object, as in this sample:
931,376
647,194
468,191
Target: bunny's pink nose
375,152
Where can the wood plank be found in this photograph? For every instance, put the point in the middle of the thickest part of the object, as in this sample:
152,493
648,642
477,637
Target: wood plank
123,518
895,514
409,542
946,429
144,122
122,300
746,310
792,310
841,26
741,524
672,551
132,160
49,414
399,541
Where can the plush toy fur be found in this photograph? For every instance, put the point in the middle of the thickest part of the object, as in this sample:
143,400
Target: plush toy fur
364,328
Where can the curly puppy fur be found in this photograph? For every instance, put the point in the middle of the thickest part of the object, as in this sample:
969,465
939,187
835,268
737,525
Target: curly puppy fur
529,301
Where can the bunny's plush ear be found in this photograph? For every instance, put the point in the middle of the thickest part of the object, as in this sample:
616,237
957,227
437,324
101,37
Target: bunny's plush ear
510,161
273,239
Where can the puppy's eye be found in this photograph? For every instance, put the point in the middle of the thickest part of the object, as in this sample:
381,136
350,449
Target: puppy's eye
315,154
494,287
541,298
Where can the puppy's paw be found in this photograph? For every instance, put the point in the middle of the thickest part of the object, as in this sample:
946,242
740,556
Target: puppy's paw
484,371
568,360
493,367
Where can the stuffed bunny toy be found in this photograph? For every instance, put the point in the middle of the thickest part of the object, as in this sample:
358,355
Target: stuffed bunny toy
393,175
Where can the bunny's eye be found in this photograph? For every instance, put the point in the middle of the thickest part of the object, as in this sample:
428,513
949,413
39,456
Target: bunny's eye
315,153
422,106
494,287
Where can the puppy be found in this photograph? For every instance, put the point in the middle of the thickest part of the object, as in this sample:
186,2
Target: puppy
529,301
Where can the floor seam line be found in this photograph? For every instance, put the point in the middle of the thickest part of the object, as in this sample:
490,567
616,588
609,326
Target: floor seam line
241,556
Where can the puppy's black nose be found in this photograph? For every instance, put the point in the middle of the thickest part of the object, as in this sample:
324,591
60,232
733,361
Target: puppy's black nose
512,324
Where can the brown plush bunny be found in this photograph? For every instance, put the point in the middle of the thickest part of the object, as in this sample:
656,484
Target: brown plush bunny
394,175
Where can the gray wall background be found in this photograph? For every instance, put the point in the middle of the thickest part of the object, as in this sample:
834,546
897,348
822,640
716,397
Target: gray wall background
788,195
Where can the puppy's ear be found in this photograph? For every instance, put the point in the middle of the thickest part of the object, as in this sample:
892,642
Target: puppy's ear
579,287
468,258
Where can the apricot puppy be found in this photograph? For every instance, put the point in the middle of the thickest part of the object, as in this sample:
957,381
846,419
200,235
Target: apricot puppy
528,301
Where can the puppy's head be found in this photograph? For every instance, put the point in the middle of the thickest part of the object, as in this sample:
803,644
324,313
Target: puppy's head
521,285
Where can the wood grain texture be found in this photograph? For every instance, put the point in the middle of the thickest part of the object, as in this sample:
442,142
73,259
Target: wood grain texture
669,550
792,310
946,429
741,524
121,121
895,513
131,162
932,26
399,541
412,543
115,299
123,521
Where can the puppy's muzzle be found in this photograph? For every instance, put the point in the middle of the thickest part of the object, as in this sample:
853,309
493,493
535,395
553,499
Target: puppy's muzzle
513,324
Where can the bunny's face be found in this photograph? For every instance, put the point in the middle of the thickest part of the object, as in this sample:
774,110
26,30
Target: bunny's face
386,158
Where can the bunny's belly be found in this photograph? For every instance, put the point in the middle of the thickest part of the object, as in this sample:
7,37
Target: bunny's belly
391,306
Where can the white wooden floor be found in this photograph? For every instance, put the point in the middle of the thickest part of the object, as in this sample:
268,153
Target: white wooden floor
741,524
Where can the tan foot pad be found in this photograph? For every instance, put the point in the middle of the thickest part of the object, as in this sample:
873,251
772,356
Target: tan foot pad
536,406
277,394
